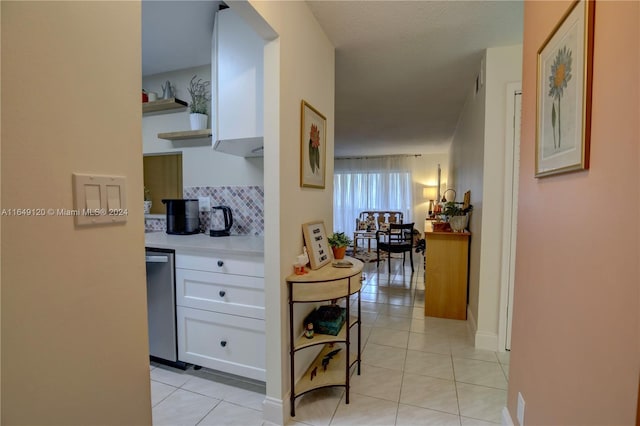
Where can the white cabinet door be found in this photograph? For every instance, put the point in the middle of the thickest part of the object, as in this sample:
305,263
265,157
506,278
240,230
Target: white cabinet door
222,342
238,69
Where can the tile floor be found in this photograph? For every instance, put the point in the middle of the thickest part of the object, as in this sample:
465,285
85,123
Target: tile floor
415,371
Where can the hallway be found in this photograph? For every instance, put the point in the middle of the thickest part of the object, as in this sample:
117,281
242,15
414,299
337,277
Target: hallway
415,371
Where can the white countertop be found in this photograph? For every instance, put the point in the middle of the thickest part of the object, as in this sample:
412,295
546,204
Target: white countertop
204,244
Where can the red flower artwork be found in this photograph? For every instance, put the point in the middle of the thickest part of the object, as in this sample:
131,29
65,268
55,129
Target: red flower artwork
314,148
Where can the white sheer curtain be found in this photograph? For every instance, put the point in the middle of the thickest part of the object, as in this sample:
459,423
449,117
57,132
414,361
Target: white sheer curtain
377,183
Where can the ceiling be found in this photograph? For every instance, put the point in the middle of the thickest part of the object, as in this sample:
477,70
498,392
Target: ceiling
403,68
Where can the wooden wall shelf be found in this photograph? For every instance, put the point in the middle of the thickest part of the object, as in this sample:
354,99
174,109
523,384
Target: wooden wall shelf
163,105
187,134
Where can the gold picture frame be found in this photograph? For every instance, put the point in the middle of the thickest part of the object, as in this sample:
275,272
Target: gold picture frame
315,239
313,147
563,103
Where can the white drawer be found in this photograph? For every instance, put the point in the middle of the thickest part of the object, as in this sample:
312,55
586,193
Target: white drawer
227,343
225,293
227,264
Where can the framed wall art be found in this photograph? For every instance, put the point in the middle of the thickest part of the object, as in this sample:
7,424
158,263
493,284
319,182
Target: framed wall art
315,239
563,111
313,147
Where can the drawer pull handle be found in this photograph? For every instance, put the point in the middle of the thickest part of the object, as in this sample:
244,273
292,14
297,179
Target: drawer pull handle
223,343
222,293
220,263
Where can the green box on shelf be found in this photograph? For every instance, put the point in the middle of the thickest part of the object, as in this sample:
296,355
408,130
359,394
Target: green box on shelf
327,319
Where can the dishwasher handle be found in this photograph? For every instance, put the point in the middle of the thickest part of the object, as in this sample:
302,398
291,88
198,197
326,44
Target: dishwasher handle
156,259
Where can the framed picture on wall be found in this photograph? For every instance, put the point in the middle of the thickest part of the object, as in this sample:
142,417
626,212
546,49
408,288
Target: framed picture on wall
563,114
315,239
313,147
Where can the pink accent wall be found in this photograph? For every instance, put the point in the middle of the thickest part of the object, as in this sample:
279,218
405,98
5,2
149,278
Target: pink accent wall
576,341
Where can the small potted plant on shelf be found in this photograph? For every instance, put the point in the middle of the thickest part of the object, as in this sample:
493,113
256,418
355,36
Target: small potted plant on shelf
457,215
339,242
199,91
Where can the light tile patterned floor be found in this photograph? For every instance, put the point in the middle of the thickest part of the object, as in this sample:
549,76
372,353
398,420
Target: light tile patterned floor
415,371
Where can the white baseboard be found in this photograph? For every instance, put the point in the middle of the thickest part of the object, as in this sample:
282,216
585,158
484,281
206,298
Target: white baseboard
488,341
273,411
506,417
482,339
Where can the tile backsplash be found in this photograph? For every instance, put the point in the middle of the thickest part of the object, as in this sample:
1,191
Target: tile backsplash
246,203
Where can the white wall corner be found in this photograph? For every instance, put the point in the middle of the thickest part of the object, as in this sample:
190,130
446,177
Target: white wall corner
482,339
471,321
486,340
273,411
506,417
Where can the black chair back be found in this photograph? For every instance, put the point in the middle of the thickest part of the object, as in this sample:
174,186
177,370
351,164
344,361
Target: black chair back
398,239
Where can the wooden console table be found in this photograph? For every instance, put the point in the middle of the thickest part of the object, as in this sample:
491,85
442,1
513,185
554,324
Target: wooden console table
446,274
324,284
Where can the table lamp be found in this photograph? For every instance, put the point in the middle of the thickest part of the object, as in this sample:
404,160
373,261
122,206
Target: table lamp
429,193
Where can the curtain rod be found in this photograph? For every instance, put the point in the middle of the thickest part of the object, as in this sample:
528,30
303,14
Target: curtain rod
377,156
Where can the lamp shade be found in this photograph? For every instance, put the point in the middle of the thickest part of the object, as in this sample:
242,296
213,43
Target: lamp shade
429,192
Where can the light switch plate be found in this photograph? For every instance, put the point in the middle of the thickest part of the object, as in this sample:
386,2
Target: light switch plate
99,199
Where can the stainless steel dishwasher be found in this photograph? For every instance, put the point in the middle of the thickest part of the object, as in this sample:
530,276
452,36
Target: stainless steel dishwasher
161,306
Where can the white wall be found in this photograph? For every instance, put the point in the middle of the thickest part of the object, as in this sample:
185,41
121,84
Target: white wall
201,165
477,163
74,322
299,65
466,172
504,65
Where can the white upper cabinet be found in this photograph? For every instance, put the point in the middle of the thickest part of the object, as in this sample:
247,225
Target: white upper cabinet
238,90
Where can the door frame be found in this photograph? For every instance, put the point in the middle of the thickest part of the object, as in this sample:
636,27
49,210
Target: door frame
510,212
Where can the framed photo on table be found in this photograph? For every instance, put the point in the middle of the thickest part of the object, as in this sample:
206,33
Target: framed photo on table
315,239
313,146
563,112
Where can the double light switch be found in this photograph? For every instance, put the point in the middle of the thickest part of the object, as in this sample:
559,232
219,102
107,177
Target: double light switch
99,199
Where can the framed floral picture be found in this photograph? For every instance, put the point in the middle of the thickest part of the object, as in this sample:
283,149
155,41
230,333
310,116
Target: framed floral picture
563,113
313,147
315,239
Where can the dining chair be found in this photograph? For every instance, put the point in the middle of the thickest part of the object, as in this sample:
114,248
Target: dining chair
398,239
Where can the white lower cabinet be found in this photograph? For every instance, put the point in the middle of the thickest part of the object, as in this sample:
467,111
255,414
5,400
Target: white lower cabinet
220,313
223,342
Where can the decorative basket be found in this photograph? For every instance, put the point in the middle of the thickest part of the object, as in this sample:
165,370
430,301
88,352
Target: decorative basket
327,319
441,227
458,223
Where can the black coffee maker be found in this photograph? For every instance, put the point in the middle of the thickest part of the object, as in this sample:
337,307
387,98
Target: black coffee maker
220,222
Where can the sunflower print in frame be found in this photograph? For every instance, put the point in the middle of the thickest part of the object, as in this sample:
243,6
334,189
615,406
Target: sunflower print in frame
314,149
558,80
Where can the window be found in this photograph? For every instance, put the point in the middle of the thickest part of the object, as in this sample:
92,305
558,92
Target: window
360,185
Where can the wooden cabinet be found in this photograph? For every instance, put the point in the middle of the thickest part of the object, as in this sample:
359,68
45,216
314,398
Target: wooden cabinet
238,90
324,284
446,273
220,313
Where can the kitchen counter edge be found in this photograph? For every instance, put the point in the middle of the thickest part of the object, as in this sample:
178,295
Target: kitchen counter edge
204,244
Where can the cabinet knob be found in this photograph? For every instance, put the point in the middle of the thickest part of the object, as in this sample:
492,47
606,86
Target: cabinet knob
220,263
223,343
222,293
